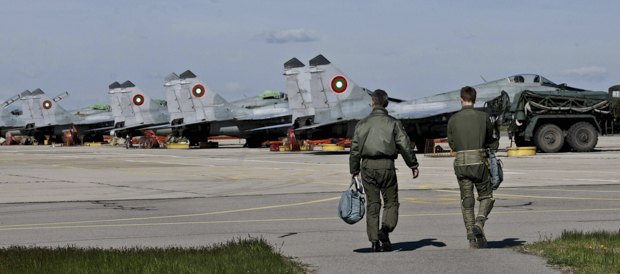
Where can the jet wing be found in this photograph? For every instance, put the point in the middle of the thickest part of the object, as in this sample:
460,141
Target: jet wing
423,110
272,127
313,126
149,126
100,129
264,116
189,124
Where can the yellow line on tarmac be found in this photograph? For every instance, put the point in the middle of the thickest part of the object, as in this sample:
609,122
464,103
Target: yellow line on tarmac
294,219
176,216
517,212
539,197
568,190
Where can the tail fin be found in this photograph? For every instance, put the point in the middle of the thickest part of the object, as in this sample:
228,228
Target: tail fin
27,113
118,104
132,107
46,111
334,95
298,91
190,100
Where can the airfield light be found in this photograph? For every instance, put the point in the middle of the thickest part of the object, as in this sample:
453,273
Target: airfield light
138,99
47,104
339,84
198,90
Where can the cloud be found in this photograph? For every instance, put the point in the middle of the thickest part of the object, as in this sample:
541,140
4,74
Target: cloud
589,73
288,36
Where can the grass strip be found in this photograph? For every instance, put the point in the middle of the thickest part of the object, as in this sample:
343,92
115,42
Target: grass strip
579,252
236,256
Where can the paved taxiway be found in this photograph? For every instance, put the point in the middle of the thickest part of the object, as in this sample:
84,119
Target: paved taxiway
112,197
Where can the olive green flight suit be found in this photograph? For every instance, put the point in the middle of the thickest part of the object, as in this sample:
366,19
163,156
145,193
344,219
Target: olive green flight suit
377,141
470,132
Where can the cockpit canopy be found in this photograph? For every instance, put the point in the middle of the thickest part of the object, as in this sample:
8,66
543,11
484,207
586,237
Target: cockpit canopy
531,79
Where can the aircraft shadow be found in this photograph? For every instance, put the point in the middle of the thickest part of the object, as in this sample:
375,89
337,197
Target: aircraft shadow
508,242
408,246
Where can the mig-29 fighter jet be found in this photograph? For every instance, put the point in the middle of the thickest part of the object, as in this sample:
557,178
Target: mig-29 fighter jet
43,116
197,112
134,110
339,103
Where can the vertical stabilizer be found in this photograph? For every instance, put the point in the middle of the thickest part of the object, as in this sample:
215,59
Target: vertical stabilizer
118,104
190,100
334,95
137,108
46,111
298,92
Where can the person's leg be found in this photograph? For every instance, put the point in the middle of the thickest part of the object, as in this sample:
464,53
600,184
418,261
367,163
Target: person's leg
390,208
485,197
373,205
467,206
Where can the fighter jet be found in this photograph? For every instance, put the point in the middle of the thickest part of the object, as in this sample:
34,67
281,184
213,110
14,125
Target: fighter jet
339,103
197,112
134,110
43,116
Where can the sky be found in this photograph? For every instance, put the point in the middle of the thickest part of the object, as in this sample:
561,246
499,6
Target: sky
411,49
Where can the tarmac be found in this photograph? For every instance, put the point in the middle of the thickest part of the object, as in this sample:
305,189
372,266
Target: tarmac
117,197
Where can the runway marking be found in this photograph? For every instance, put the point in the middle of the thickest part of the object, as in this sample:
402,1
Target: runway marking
539,197
293,219
177,216
567,190
446,200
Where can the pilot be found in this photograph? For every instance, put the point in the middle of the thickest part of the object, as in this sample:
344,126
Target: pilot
377,141
470,133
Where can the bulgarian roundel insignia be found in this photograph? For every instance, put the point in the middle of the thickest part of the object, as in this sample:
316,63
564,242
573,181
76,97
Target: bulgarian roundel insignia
47,104
339,84
198,90
138,99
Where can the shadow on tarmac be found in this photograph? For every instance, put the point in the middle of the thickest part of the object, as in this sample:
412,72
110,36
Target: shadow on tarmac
508,242
408,246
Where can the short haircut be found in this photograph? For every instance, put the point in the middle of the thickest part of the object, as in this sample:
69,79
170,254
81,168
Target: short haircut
379,98
468,94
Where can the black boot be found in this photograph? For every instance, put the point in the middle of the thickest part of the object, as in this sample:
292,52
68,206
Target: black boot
479,234
375,247
385,240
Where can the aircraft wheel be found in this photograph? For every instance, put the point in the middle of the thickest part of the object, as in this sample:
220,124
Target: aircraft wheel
253,142
549,138
40,137
582,137
420,144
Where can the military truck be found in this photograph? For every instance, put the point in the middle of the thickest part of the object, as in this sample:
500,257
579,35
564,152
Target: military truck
564,120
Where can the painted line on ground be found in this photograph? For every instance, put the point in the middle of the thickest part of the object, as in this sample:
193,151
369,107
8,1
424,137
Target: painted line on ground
179,215
293,219
537,197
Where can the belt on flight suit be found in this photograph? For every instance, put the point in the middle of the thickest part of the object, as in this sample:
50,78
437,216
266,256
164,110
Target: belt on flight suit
470,157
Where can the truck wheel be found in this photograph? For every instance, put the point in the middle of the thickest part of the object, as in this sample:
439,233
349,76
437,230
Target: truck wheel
582,137
549,138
